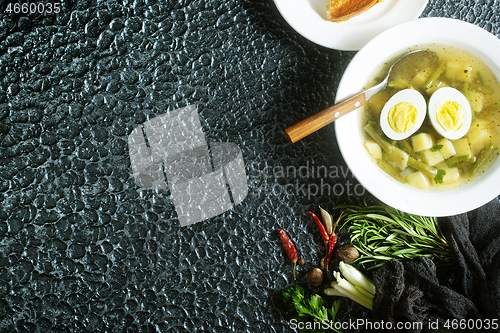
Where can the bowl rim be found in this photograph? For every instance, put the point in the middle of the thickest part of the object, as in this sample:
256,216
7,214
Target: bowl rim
387,46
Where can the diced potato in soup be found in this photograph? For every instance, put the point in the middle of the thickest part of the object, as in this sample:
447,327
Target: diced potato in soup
432,157
447,150
417,179
476,100
451,176
462,147
374,149
479,136
458,70
421,77
398,158
421,142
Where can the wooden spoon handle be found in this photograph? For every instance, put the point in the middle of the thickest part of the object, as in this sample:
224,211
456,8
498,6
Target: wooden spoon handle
310,125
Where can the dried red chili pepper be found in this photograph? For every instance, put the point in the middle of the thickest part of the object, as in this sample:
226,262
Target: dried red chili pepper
289,249
331,243
321,227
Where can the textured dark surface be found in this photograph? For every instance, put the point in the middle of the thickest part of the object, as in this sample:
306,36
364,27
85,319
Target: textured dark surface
81,249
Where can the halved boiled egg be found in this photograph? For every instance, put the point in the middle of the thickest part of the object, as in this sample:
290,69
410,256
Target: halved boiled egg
403,114
450,113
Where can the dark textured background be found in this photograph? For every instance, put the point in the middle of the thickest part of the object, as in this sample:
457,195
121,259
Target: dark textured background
80,248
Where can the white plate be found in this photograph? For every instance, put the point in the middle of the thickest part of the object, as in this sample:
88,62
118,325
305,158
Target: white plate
308,17
382,48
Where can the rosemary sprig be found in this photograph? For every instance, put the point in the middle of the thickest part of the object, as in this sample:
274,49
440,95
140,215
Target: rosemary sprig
382,233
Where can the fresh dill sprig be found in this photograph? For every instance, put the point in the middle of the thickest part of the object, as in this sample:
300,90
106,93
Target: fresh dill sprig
382,233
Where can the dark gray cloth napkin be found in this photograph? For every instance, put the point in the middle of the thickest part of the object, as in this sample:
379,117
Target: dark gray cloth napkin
413,291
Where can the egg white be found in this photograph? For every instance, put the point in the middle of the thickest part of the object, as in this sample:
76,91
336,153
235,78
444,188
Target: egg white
446,94
406,95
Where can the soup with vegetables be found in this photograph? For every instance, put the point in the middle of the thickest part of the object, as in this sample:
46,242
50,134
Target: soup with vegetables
437,122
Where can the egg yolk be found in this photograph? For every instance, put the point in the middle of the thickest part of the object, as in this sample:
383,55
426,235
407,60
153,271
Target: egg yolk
402,117
450,116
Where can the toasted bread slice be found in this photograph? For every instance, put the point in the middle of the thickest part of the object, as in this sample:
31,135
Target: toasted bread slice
342,10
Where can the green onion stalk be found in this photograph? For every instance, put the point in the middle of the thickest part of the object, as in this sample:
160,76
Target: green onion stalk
352,284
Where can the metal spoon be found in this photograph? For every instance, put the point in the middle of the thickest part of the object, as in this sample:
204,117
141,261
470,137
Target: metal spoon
310,125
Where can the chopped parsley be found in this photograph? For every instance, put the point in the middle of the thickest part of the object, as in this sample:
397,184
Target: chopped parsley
436,147
300,305
439,176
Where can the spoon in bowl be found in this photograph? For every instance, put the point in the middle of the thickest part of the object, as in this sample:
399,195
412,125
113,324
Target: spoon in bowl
310,125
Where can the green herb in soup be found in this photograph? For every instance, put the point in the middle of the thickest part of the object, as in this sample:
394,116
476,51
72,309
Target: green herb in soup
459,137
